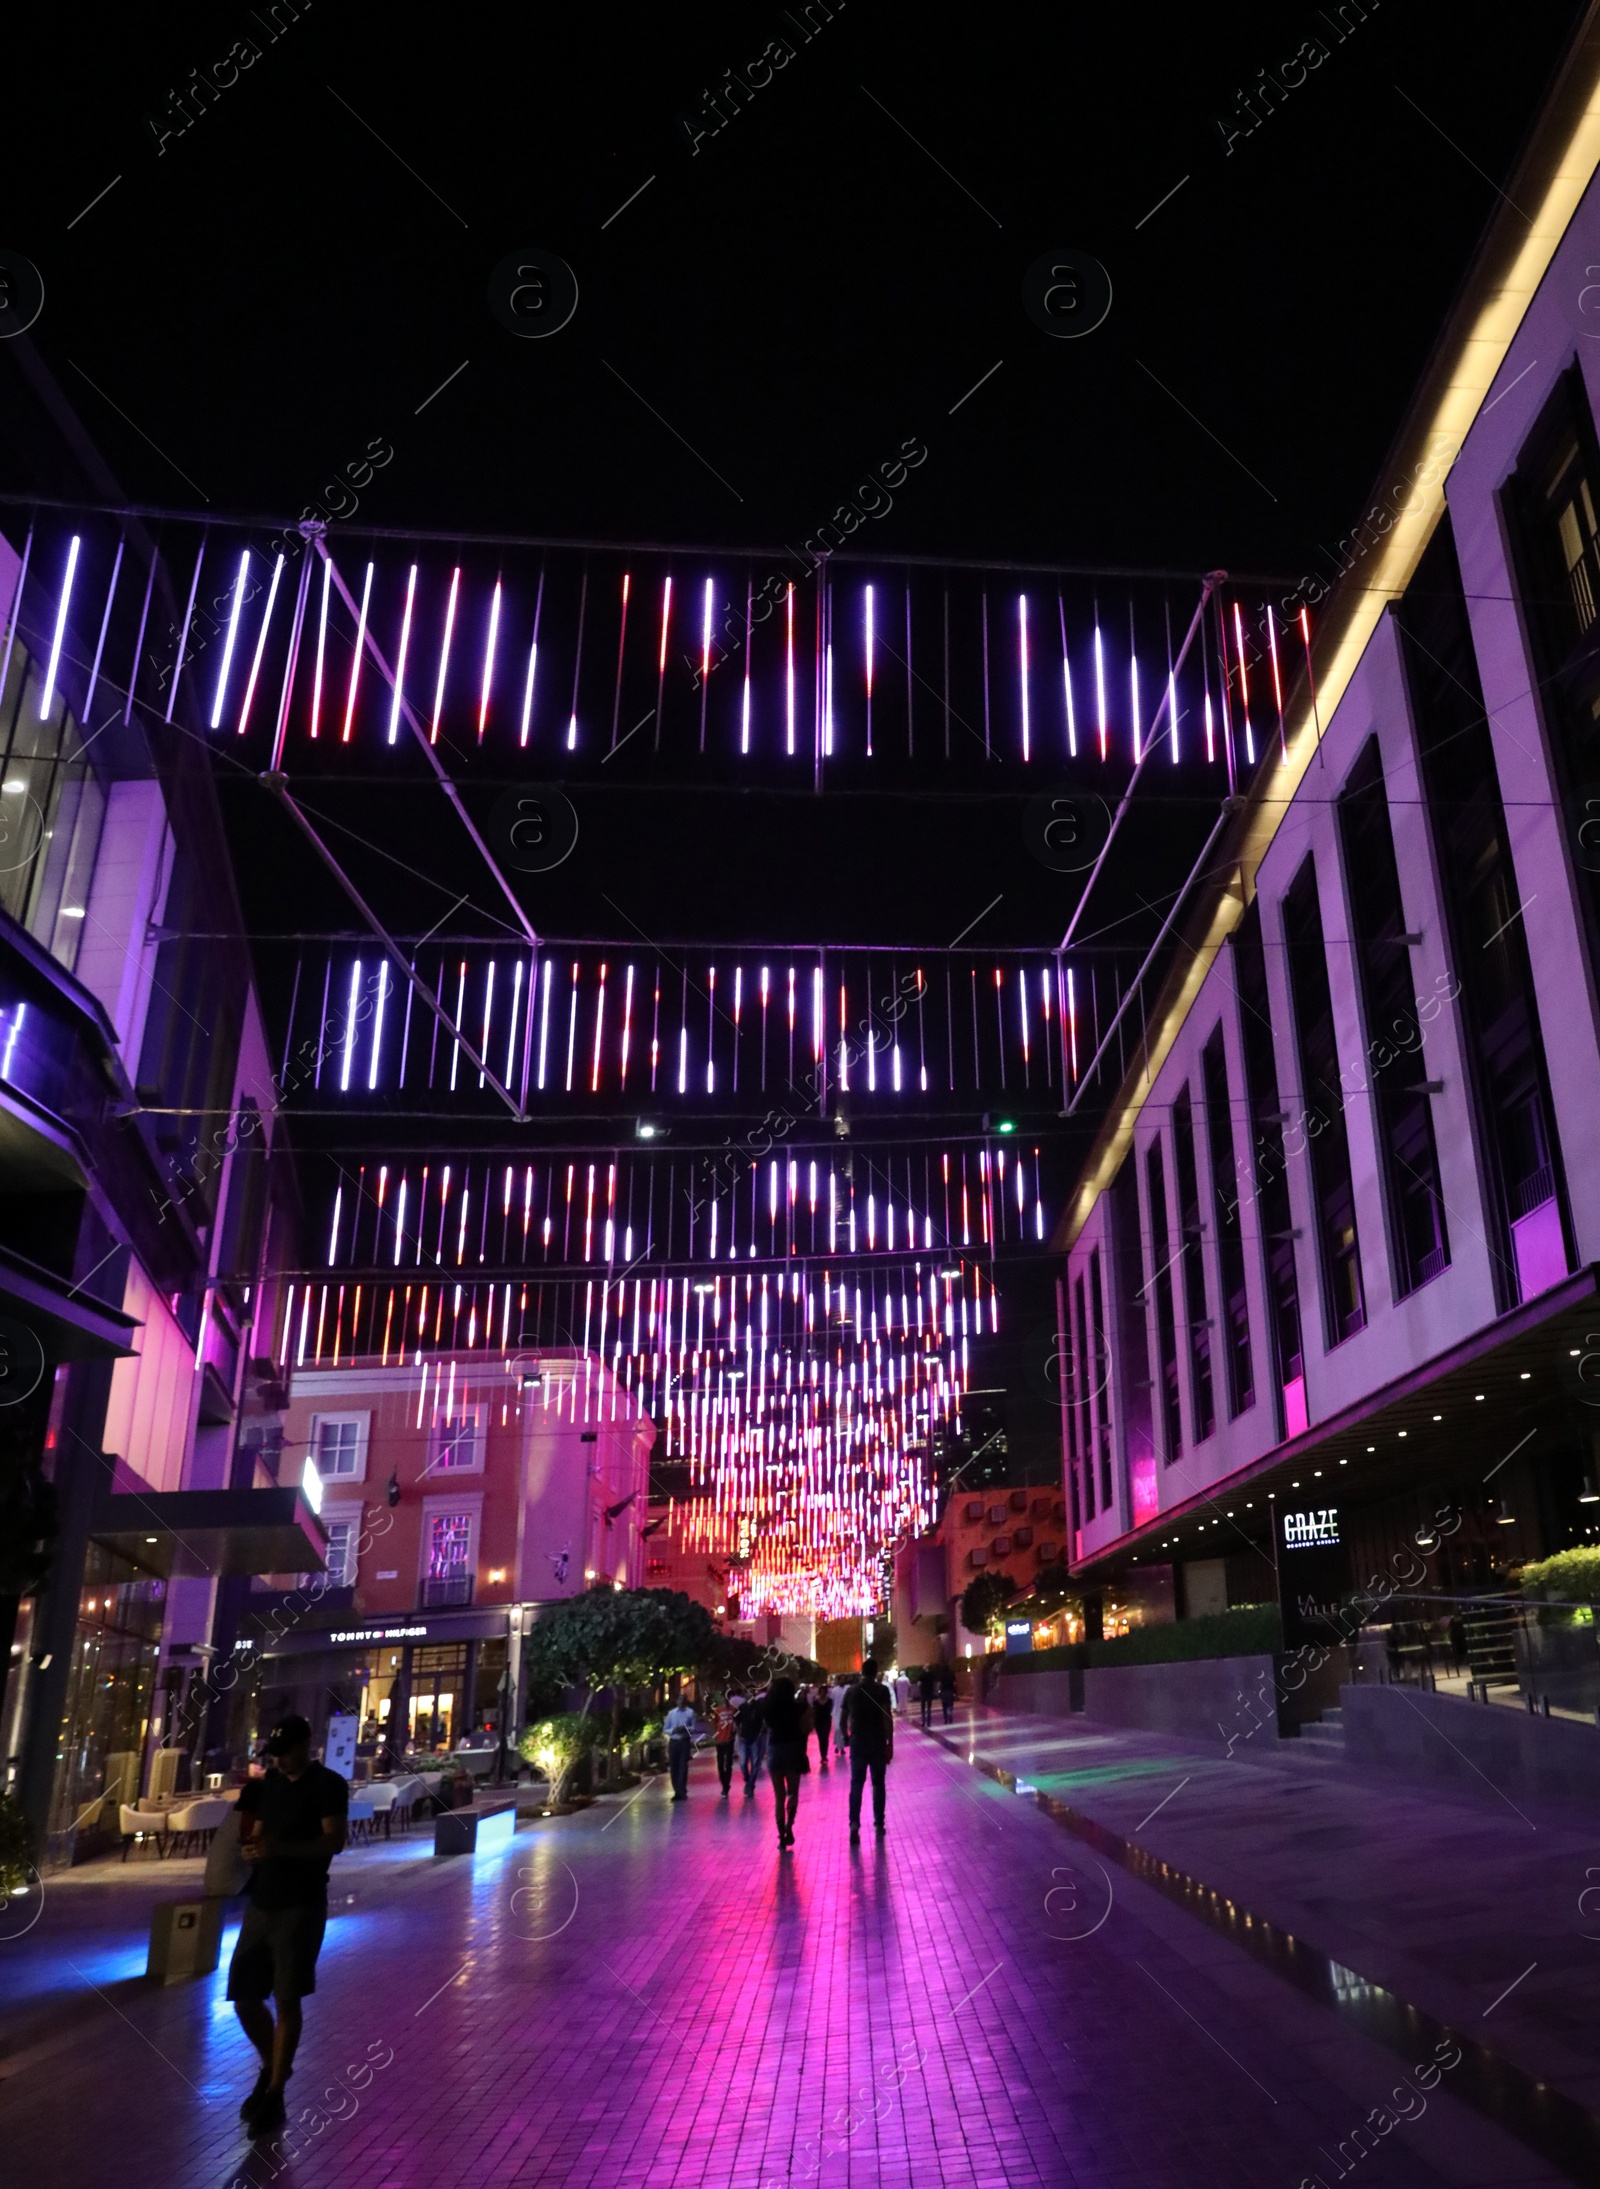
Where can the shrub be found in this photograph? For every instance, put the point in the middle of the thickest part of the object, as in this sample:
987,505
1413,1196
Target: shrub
554,1745
1570,1577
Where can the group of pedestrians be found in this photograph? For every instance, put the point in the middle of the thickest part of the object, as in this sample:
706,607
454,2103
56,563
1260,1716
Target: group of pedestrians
853,1715
940,1679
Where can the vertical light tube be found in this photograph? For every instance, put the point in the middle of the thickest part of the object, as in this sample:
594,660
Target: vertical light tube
869,672
400,663
1277,684
261,646
1133,687
627,1026
355,659
49,691
350,1027
488,660
1022,665
1066,684
544,1014
444,654
1244,685
105,625
661,659
233,632
511,1037
377,1022
488,1012
599,1033
705,661
749,637
711,1028
533,661
1100,683
788,674
322,643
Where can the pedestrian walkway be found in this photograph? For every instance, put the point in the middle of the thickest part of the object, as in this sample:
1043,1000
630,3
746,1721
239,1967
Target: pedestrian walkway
650,1993
1441,1898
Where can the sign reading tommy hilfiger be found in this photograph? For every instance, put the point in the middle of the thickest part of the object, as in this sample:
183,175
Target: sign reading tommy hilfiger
1313,1573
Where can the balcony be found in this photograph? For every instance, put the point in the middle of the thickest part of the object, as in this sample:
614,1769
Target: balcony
455,1588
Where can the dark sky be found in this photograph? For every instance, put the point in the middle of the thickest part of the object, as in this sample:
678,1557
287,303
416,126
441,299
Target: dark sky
275,287
242,308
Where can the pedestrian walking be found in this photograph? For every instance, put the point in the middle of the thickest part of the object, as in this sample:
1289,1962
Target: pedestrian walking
292,1823
822,1719
786,1728
681,1725
926,1684
839,1695
870,1723
751,1738
902,1693
947,1690
724,1727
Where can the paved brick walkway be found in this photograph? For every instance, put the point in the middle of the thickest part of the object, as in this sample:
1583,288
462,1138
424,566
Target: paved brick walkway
651,1994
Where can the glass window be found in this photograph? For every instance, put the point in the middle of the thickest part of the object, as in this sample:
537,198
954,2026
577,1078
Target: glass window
339,1446
51,808
458,1442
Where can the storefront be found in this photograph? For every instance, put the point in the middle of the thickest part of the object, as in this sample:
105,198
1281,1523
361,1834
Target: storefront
417,1686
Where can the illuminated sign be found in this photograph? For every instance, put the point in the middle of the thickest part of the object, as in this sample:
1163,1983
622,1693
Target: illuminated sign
381,1634
311,1484
1316,1530
1019,1637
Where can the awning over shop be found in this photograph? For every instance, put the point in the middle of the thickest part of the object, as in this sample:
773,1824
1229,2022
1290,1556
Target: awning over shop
1464,1412
205,1532
67,1323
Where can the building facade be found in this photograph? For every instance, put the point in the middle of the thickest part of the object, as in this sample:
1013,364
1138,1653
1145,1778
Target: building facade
1336,1243
458,1496
145,1197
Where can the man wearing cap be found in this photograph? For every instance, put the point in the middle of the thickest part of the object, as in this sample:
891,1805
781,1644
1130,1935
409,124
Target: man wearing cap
292,1823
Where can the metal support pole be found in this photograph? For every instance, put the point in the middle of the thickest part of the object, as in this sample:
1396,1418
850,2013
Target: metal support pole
279,784
432,758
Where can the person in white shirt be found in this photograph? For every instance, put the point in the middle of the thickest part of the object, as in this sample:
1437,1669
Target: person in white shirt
902,1693
681,1726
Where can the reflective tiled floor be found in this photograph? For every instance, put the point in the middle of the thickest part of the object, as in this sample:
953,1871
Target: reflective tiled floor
653,1994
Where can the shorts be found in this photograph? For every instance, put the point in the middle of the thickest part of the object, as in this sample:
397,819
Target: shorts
276,1956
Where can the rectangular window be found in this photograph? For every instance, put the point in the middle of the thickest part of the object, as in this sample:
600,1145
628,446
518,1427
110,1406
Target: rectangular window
1194,1268
1230,1238
1133,1346
1490,970
1080,1341
51,836
456,1442
1100,1388
1322,1124
448,1546
1269,1165
342,1535
339,1446
1395,1072
1155,1176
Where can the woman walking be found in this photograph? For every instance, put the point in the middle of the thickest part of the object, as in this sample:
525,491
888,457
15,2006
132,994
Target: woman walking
786,1755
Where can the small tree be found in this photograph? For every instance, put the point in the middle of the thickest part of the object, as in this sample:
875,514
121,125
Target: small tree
984,1599
616,1639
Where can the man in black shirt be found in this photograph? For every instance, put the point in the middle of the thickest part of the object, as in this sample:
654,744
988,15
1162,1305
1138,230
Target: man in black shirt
869,1723
291,1825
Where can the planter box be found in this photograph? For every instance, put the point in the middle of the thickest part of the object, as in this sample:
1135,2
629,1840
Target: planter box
474,1831
1445,1741
1202,1698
